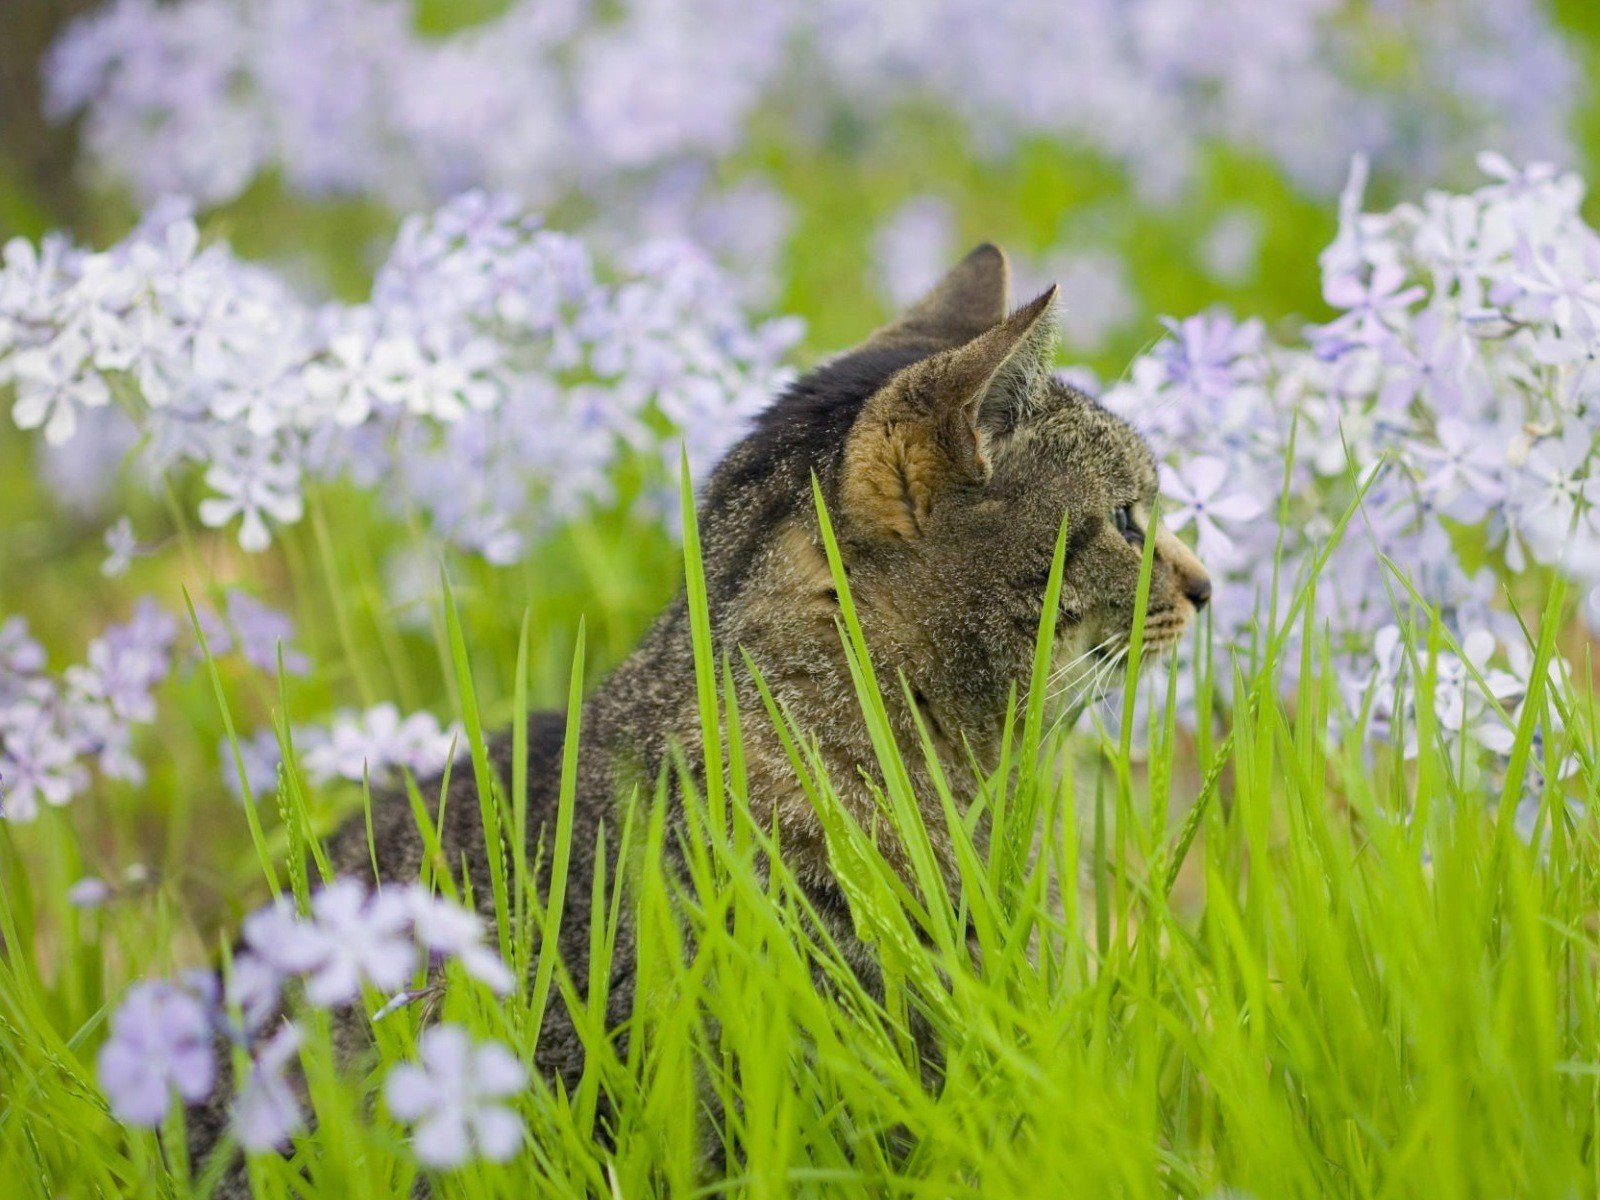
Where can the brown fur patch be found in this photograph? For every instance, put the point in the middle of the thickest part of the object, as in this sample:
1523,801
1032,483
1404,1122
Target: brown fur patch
892,472
929,428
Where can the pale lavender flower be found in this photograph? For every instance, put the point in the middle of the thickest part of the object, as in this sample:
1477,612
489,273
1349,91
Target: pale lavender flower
261,756
1558,490
466,391
352,939
454,1097
89,892
1210,356
261,632
345,95
1374,306
252,487
1205,499
1463,469
38,765
160,1045
447,930
20,655
255,982
266,1112
1466,358
377,742
121,547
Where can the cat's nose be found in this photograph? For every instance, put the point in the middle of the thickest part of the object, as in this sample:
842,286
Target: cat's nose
1190,575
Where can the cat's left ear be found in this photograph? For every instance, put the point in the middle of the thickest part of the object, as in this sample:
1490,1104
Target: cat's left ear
971,297
928,431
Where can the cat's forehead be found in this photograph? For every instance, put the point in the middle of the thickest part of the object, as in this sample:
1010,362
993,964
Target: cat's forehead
1075,435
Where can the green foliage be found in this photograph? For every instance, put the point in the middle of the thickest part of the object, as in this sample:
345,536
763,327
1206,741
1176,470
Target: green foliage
1337,973
1298,992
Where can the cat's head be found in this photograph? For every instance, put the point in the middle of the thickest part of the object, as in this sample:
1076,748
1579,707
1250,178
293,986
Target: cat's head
948,453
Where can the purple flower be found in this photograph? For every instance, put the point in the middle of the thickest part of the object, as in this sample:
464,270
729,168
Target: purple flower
453,1098
261,631
1205,499
121,547
1209,356
266,1112
160,1044
89,892
447,930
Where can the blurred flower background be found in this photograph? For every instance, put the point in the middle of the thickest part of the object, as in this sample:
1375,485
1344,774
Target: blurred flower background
304,301
483,265
465,276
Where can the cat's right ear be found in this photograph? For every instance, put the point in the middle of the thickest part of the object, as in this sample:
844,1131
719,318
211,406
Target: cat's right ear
971,298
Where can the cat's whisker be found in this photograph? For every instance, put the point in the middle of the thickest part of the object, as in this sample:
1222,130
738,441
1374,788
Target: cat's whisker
1086,687
1079,679
1063,673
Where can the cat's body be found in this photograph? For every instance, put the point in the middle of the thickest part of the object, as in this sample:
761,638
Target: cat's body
947,456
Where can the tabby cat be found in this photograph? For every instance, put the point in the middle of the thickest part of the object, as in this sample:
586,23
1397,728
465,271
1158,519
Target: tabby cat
947,453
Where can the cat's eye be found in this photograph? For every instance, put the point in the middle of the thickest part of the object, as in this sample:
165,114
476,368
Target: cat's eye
1127,525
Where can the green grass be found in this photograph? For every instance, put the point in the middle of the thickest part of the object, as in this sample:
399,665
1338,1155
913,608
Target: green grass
1262,958
1339,974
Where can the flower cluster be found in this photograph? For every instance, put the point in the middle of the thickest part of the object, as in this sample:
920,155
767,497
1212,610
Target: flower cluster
490,384
1455,391
376,744
202,96
53,727
165,1035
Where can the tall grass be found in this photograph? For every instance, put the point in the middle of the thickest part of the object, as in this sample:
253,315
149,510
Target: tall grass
1341,973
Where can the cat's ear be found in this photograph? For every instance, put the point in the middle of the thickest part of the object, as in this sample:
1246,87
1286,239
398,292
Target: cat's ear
968,300
928,431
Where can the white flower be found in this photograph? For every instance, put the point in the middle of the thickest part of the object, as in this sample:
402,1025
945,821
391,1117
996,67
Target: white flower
1208,496
53,384
453,1098
362,374
362,939
266,1112
252,486
121,546
448,930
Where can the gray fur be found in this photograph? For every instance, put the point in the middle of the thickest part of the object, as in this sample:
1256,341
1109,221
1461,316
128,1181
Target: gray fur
948,455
